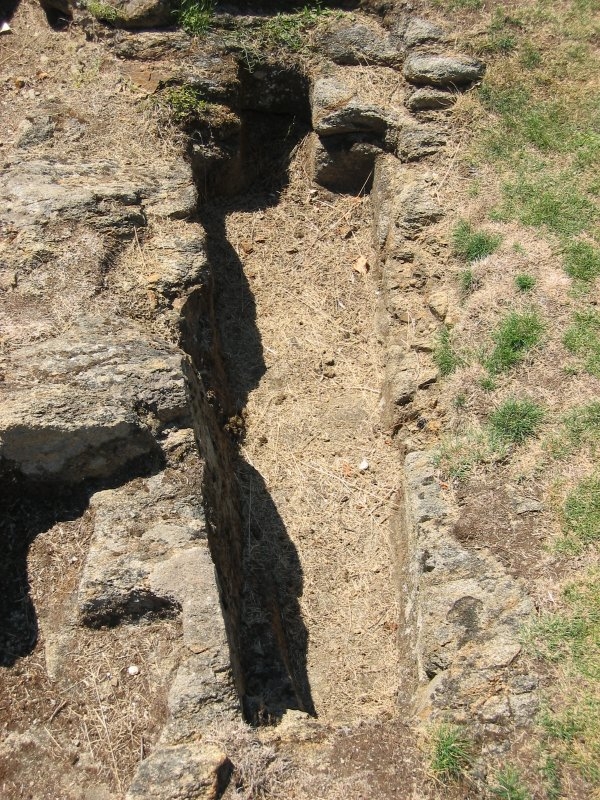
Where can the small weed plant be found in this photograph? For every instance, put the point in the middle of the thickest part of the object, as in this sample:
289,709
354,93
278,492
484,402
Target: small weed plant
186,103
195,16
515,336
444,355
102,11
509,785
467,282
471,245
450,756
524,282
515,421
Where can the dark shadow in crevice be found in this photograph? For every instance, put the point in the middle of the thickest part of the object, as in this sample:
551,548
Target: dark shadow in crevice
30,507
274,636
8,9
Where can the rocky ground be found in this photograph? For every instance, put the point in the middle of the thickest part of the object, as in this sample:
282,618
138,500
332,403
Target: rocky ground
233,567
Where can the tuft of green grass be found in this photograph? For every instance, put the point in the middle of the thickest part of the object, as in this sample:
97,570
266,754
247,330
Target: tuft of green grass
524,282
186,103
516,334
195,16
467,282
451,752
488,384
471,245
550,771
515,421
581,515
102,11
583,339
582,261
281,32
444,355
509,785
530,57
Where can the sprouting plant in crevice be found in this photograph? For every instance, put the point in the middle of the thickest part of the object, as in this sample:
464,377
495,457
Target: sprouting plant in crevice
195,16
450,752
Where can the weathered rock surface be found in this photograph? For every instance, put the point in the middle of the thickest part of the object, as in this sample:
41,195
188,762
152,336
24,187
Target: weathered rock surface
445,71
346,42
125,13
416,31
148,553
87,403
468,613
343,164
182,772
336,110
430,99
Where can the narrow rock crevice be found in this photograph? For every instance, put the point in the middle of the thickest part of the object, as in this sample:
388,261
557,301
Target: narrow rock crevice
258,569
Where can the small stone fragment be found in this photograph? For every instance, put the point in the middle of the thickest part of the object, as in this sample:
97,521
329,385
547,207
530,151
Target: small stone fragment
438,303
442,70
430,99
528,505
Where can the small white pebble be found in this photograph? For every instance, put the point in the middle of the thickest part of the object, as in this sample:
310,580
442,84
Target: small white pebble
364,465
133,670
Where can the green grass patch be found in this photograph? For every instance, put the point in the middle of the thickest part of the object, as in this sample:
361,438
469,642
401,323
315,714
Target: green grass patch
556,203
186,103
529,56
581,429
524,282
550,771
573,735
583,339
103,11
581,516
459,5
582,261
509,785
571,720
445,357
515,336
281,32
471,245
450,752
487,383
195,16
515,421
